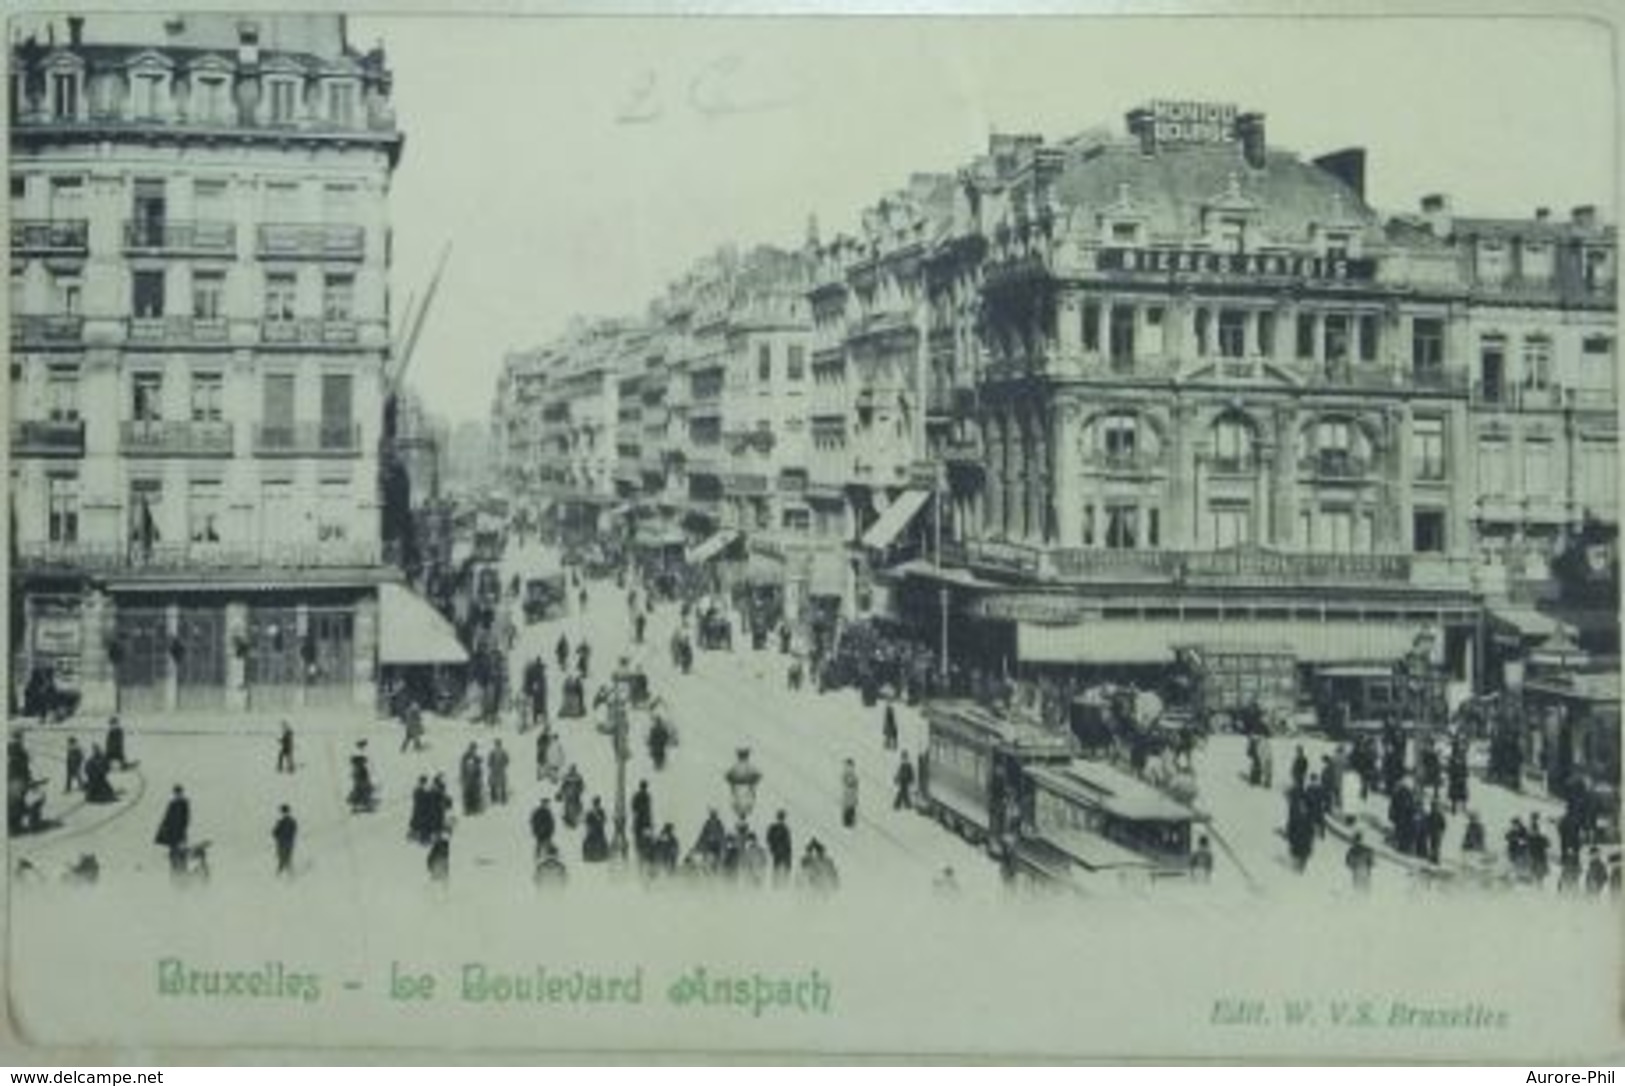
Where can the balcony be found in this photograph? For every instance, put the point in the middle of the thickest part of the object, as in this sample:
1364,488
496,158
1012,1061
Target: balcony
47,329
153,438
199,238
50,237
308,332
308,439
48,437
175,558
1245,464
1124,462
1333,464
311,241
1246,564
176,331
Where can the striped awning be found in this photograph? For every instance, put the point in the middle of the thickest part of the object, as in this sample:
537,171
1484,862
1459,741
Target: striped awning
712,547
1130,642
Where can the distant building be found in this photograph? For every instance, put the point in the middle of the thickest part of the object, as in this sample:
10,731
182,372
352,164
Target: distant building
199,299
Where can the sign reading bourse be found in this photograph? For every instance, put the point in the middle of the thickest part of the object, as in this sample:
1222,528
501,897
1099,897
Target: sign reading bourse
1193,122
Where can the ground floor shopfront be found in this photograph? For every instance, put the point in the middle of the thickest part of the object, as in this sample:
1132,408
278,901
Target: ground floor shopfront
140,647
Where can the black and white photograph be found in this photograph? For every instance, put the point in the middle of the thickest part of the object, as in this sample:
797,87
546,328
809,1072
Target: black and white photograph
1011,537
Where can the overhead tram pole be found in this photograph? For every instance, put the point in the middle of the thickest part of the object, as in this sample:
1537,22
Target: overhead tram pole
942,585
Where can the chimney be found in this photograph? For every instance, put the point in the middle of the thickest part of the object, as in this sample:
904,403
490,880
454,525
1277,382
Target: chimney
1348,166
248,43
1436,210
1584,215
76,30
1142,124
1543,214
1250,131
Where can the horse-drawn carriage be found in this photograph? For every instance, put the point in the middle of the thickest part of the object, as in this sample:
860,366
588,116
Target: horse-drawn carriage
544,597
715,630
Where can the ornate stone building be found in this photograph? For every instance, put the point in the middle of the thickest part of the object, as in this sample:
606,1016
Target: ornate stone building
199,299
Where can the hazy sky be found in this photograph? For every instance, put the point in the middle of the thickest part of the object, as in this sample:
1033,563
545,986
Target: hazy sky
577,165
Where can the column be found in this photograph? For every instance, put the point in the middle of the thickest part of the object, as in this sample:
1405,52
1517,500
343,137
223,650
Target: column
236,665
1250,334
1261,494
1179,531
366,651
1400,509
1285,478
1066,482
1459,470
171,670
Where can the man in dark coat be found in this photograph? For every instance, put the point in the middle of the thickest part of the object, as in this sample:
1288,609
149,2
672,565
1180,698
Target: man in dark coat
1433,831
904,779
1456,773
284,833
173,828
418,825
781,848
542,827
440,858
888,728
472,775
497,773
1539,850
284,750
1360,860
562,652
114,748
594,843
643,818
75,766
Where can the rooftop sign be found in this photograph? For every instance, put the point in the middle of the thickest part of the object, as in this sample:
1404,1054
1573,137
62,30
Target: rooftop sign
1193,122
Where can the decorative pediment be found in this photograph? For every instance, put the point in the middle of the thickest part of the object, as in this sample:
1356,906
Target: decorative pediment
283,64
211,64
340,67
150,60
1234,371
63,60
1231,201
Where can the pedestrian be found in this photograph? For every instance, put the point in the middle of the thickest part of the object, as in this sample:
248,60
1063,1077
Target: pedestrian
1539,851
1300,767
570,795
471,774
1456,772
440,804
638,625
542,827
561,652
440,858
497,771
849,795
1300,831
114,747
544,750
594,843
1360,860
904,779
75,765
550,869
284,833
1596,873
419,825
713,838
1202,861
1434,828
1473,839
173,829
1568,873
888,728
780,848
284,749
363,797
411,727
642,811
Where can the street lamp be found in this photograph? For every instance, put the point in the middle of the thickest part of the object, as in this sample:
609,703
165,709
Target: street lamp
617,725
742,778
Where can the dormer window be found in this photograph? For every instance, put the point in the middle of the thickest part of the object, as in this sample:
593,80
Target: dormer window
209,99
1126,233
65,96
341,100
148,90
1230,233
1337,245
283,95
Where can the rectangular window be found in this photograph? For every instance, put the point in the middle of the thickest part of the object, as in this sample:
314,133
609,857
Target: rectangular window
203,511
148,94
341,103
1337,530
1537,469
333,511
147,293
209,201
1427,343
1118,435
1537,363
1091,326
282,100
1427,531
1088,526
62,394
62,501
1492,468
1232,525
146,513
337,410
1203,330
1369,337
277,409
1427,449
764,363
208,392
209,99
147,397
1337,338
795,365
282,202
1492,370
1122,334
280,293
208,294
338,297
1232,333
1122,527
1306,336
1266,334
67,198
65,96
339,204
68,294
1337,245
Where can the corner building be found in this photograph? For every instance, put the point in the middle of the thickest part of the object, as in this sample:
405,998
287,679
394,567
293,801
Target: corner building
1220,402
199,299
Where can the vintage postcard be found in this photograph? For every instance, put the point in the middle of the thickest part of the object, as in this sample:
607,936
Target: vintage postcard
1010,538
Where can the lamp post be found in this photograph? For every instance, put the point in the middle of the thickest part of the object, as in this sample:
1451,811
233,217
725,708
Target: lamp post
742,778
617,725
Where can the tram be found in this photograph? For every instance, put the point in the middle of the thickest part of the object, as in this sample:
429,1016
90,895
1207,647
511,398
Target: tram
976,765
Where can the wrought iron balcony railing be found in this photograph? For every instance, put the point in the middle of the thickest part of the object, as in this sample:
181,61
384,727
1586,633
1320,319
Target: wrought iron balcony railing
307,439
48,437
177,238
154,438
50,237
311,241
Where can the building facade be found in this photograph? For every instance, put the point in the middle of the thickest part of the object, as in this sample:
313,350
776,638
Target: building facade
1093,401
199,298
